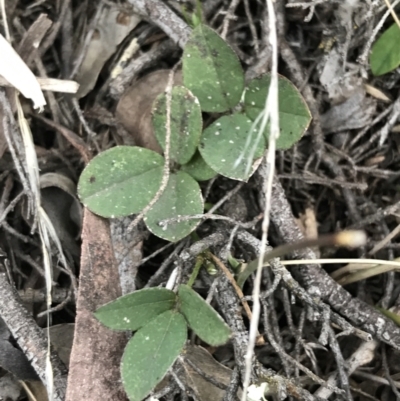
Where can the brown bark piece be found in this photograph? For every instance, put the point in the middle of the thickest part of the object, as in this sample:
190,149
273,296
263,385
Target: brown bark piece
96,352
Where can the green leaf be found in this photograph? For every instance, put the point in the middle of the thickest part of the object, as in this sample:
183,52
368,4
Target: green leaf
198,168
134,310
212,71
186,123
120,181
385,53
202,319
182,197
226,149
294,115
151,352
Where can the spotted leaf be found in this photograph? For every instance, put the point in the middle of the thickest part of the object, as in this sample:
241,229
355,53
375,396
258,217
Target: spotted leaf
212,71
182,197
120,181
185,123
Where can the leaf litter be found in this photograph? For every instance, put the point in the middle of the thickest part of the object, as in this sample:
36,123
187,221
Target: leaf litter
352,122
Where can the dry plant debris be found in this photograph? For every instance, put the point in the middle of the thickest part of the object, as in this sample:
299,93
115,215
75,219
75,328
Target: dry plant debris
96,69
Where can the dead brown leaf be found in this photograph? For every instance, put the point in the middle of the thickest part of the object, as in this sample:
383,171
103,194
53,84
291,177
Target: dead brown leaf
205,390
112,28
62,336
355,112
64,209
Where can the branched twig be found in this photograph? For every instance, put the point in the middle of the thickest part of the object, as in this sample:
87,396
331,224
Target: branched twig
160,14
291,360
238,290
210,216
228,17
230,393
319,285
30,338
281,273
153,280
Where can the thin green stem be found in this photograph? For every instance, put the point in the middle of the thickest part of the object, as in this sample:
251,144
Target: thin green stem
195,272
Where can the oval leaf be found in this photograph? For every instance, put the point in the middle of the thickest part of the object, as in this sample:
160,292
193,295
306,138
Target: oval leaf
186,123
202,318
134,310
294,115
120,181
225,147
385,54
182,197
140,97
151,352
198,168
212,71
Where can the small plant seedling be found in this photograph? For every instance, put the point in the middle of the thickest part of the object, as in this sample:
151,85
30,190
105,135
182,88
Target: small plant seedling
385,54
195,17
161,332
123,180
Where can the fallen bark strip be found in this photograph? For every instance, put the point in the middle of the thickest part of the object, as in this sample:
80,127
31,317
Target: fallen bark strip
318,283
97,350
30,338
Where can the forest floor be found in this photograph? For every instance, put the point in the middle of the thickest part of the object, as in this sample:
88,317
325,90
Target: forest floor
323,331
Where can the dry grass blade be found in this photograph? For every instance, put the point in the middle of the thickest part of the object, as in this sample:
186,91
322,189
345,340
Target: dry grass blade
46,229
271,112
17,73
50,84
